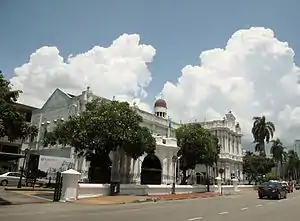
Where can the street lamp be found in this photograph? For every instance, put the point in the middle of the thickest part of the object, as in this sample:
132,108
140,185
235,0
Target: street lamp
22,169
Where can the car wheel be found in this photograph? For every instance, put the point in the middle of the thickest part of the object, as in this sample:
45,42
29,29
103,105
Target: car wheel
4,183
278,196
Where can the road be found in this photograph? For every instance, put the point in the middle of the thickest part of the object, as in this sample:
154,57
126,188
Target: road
245,207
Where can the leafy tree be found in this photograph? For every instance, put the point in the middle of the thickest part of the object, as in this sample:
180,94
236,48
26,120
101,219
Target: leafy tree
278,153
262,131
102,128
271,176
256,166
292,165
197,146
12,123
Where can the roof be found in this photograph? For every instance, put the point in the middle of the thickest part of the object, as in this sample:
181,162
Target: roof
20,106
160,103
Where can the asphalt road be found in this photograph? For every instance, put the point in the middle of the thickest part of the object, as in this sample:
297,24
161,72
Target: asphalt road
245,207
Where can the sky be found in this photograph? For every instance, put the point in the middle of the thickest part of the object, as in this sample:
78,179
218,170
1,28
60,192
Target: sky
203,57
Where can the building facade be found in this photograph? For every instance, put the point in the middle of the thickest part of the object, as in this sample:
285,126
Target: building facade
61,105
10,152
229,134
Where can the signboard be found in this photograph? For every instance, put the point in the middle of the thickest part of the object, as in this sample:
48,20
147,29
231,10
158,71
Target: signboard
52,165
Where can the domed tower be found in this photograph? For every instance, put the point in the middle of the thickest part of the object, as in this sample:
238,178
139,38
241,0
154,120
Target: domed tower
160,108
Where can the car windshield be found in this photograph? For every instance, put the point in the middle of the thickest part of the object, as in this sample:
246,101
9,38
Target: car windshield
270,184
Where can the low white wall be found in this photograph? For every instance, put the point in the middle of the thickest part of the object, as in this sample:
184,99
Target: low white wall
228,190
86,190
93,190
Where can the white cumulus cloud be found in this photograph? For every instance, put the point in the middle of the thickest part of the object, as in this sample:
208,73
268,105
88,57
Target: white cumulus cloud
119,70
254,74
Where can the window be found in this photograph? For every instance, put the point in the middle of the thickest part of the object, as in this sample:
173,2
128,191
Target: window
14,174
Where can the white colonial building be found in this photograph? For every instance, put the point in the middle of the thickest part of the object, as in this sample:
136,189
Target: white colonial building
61,105
229,134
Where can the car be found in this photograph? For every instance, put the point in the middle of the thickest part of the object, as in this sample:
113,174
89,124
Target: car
10,178
272,190
297,186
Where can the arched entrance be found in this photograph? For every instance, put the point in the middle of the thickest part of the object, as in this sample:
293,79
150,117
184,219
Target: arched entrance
151,170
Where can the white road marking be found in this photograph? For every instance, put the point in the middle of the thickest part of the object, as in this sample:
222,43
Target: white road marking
270,202
222,213
195,218
258,205
245,208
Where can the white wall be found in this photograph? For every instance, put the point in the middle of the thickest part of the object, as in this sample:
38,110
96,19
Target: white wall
94,190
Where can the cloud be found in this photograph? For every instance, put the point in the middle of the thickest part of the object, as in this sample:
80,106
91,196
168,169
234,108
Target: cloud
254,74
118,70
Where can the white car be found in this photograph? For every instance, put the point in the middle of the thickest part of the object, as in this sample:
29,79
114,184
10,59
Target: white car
10,178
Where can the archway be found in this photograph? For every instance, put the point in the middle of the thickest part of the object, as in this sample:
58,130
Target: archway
151,170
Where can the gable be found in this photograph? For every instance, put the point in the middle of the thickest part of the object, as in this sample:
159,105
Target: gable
57,99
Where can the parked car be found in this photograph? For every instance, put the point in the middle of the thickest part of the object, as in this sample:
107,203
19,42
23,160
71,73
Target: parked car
297,185
11,178
272,190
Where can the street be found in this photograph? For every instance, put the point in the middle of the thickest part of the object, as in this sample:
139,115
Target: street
244,207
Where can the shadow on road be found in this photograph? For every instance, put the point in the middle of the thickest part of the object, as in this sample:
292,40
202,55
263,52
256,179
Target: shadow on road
18,198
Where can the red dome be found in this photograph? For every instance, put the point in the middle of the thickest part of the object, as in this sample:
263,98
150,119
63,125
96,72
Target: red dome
160,103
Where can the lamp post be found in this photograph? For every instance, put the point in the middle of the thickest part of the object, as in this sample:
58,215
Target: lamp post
175,161
22,169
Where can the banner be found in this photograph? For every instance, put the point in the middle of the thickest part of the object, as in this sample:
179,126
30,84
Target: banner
51,165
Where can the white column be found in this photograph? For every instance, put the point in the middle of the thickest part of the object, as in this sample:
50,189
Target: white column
223,141
171,171
228,169
234,144
137,169
240,144
164,171
225,135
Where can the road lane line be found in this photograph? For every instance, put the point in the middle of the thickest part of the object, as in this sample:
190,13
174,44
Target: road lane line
245,208
258,205
223,213
195,218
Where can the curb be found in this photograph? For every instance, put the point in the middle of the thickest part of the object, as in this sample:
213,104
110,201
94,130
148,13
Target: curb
24,189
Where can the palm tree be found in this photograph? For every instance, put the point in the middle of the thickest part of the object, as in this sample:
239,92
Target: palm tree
262,131
278,152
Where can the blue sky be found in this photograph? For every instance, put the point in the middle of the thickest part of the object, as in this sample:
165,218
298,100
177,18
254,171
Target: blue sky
179,30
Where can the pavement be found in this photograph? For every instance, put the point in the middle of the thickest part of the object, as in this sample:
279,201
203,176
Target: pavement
111,200
20,197
246,207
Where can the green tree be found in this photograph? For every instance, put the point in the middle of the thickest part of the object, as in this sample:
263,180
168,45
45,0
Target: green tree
278,153
262,131
292,164
102,128
12,123
197,146
256,166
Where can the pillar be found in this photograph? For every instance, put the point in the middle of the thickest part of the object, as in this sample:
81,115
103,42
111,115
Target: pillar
219,185
235,184
70,185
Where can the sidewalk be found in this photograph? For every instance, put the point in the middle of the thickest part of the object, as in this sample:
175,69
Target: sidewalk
122,199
